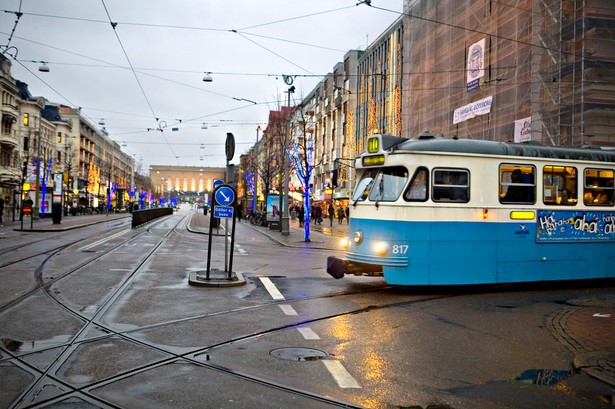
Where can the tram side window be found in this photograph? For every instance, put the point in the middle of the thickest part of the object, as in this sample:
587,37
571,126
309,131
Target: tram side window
559,185
517,184
451,185
417,191
598,187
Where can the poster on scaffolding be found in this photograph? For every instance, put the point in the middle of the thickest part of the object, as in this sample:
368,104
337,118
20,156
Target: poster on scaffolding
476,65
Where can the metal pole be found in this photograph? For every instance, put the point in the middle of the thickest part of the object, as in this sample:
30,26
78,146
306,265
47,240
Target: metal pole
36,207
255,196
284,224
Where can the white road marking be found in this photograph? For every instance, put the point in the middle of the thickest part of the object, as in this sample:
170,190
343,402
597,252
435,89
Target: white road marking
120,269
288,309
308,333
273,291
340,374
101,241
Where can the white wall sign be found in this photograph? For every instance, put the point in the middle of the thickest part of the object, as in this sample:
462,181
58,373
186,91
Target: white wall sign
523,130
480,107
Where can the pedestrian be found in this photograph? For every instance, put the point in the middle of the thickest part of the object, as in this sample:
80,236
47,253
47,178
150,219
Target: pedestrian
317,214
347,214
340,215
1,208
331,211
301,215
239,211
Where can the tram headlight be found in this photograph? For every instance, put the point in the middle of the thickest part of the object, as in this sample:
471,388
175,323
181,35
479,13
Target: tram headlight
345,243
358,237
382,248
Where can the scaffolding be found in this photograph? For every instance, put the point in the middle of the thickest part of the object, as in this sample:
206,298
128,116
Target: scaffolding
548,62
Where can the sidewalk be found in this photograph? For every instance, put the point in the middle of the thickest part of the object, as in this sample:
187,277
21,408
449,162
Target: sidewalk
323,236
46,224
587,327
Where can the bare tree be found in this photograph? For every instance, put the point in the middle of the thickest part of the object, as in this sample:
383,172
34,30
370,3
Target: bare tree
301,155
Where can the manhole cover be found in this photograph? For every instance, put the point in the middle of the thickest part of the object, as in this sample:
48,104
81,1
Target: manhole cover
298,354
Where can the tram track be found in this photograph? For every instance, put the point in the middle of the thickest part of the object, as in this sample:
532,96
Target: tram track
198,357
88,322
194,357
22,246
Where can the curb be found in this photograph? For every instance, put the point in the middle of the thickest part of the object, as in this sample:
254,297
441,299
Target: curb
217,278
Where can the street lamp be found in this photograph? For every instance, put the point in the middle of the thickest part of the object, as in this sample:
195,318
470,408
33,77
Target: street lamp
285,227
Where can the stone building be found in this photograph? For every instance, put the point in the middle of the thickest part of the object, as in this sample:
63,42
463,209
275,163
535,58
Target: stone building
39,138
184,184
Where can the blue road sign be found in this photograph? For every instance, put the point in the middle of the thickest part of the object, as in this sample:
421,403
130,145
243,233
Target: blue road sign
223,212
217,182
225,196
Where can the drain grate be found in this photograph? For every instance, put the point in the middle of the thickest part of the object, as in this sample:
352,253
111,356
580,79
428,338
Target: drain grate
298,354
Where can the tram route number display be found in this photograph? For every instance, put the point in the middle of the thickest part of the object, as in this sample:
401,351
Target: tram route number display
575,226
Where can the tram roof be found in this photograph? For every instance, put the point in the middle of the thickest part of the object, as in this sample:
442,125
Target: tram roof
531,150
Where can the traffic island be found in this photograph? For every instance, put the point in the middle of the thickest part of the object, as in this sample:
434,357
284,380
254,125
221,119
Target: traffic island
215,278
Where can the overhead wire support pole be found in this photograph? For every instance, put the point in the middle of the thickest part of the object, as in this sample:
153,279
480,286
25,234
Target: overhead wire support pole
286,162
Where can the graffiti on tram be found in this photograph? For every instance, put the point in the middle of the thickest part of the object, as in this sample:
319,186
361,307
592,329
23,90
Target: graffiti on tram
575,226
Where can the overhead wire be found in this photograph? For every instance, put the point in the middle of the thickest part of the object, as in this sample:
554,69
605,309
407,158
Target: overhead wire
161,129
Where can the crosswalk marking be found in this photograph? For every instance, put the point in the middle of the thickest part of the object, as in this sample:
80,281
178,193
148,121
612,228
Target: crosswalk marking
341,375
273,291
288,309
308,333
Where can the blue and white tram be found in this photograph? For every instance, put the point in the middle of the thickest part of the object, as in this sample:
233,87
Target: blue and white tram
435,211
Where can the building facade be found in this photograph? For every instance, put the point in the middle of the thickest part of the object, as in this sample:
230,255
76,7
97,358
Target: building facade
184,184
535,70
39,139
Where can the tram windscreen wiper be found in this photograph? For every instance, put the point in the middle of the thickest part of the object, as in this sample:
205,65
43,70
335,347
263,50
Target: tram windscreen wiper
380,190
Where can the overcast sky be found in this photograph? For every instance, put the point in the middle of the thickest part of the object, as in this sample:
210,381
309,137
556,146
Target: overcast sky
152,65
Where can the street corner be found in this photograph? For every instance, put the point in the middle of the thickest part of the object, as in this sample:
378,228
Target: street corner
597,364
215,278
592,326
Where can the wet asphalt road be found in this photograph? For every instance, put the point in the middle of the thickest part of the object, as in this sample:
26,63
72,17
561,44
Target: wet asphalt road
104,317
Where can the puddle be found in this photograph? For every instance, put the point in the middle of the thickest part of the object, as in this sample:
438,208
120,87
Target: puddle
543,376
30,346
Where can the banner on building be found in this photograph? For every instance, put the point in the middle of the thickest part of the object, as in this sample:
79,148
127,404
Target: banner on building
480,107
523,130
476,65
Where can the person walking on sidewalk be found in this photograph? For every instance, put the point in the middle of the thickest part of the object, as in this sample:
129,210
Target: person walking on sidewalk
331,211
301,215
341,213
317,214
1,208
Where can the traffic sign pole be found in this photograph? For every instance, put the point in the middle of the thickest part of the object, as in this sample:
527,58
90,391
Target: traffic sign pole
223,207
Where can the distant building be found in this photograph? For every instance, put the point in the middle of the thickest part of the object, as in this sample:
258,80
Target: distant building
184,184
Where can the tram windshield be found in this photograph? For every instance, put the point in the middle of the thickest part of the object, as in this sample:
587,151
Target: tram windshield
381,185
